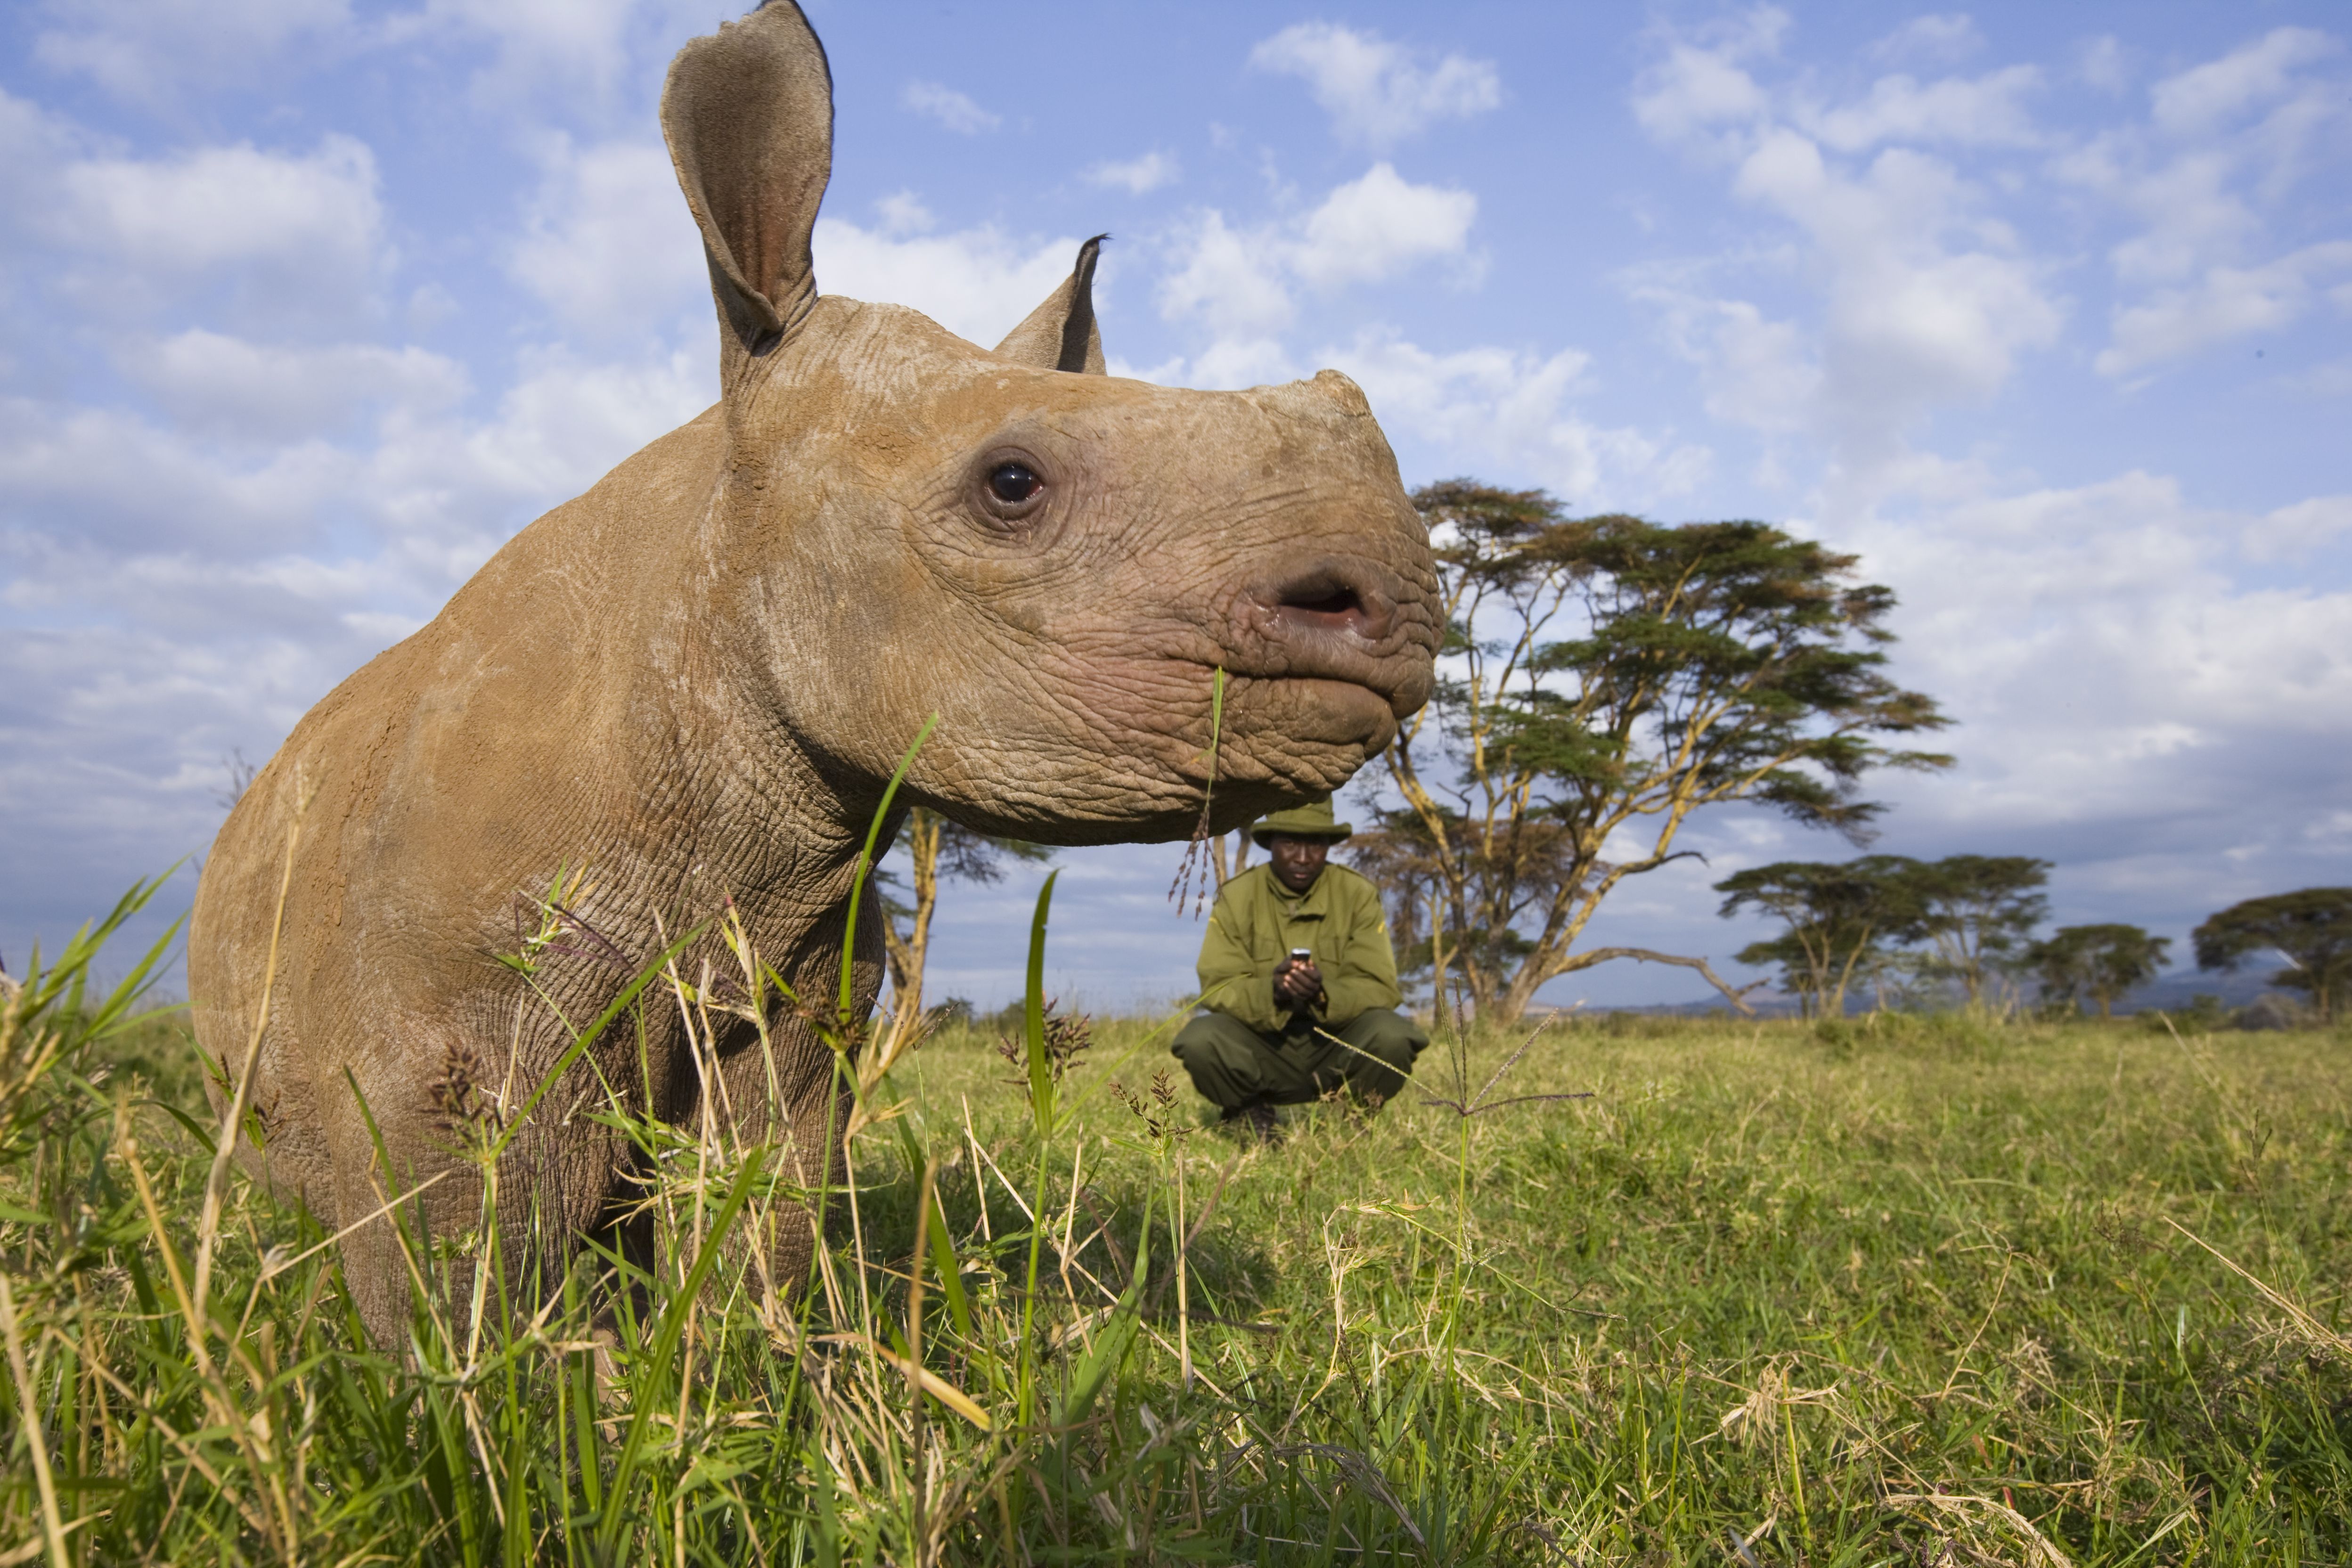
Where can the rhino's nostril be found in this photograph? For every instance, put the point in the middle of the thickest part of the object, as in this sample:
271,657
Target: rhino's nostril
1325,607
1338,602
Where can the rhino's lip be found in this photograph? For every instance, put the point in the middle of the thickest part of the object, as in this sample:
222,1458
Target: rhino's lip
1391,694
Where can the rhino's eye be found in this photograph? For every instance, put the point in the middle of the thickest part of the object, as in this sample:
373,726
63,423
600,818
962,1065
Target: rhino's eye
1013,483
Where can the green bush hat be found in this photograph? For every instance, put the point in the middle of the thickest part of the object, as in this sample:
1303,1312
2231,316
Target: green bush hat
1312,820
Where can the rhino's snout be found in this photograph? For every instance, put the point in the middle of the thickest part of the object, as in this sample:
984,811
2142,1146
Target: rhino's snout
1341,619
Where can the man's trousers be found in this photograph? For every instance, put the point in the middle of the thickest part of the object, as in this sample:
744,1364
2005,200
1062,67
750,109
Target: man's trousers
1234,1066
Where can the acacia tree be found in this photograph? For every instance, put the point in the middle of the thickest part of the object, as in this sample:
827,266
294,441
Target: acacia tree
1977,910
2102,960
937,850
1836,915
2312,929
1602,680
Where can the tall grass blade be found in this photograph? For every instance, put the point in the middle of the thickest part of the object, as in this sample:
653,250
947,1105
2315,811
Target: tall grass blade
1107,1354
1033,1006
664,1346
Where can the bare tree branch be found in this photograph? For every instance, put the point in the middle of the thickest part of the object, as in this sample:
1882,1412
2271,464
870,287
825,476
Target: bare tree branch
1736,996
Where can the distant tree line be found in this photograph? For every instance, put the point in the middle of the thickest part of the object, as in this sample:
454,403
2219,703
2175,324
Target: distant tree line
1969,920
1964,919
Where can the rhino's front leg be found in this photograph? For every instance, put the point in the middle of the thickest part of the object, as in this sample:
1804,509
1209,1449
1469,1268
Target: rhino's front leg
410,1191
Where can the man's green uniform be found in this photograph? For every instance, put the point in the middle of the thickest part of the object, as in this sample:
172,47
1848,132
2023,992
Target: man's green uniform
1252,1049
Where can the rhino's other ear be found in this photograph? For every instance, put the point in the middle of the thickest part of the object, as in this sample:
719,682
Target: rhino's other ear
1061,334
747,114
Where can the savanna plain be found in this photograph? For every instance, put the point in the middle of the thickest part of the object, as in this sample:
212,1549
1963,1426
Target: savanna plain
1904,1289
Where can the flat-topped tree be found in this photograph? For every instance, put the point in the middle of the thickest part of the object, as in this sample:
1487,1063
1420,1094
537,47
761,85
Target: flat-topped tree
2101,961
1977,910
1835,918
1603,679
2312,929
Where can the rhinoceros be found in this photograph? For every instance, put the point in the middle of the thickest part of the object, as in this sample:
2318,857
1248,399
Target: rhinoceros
685,691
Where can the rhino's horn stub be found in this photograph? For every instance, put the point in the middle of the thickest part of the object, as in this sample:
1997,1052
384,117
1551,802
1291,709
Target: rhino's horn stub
748,115
1061,334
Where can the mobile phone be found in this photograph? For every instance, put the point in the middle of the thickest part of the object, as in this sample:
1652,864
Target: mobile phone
1302,956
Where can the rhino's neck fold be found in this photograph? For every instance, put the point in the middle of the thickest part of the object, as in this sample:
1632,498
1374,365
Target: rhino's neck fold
741,811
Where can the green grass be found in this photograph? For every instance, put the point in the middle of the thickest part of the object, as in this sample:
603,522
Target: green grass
1900,1292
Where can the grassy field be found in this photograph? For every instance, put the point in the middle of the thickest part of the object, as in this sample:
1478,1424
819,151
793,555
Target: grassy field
1906,1290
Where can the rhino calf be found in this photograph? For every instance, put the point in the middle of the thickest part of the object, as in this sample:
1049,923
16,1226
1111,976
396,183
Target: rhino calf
691,685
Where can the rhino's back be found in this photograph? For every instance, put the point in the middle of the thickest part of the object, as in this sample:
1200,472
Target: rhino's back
420,781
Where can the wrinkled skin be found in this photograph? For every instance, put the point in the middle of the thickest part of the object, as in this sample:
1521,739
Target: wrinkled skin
691,685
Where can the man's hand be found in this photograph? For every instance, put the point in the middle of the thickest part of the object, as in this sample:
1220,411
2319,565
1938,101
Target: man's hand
1297,983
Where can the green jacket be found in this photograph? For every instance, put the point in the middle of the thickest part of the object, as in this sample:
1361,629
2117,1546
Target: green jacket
1258,921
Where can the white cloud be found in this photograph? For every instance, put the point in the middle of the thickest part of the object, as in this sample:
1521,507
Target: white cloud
1700,81
156,52
2331,378
952,108
230,205
300,233
903,213
978,283
1230,280
1987,111
1761,374
113,480
2193,215
2200,99
562,47
2294,532
1926,299
1136,176
607,240
2116,673
182,602
2226,145
1942,37
150,51
1924,304
1379,226
2104,64
1375,92
565,422
35,145
1491,406
1237,282
2227,302
228,388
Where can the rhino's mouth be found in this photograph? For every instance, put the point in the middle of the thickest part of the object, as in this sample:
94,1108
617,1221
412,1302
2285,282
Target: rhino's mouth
1338,620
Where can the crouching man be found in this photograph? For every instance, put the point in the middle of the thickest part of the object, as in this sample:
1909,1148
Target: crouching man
1299,983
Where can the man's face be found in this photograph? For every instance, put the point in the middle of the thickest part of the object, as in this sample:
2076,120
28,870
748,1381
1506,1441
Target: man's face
1297,861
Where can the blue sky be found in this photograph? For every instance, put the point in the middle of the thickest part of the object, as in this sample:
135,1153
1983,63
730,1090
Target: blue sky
2047,312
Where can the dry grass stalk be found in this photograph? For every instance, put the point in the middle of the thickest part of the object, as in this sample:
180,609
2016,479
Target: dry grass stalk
1967,1505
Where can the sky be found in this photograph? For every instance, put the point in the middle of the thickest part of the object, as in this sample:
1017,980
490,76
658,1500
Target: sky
2044,312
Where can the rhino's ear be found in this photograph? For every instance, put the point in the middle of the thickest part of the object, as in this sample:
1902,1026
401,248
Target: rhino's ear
1061,334
747,114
